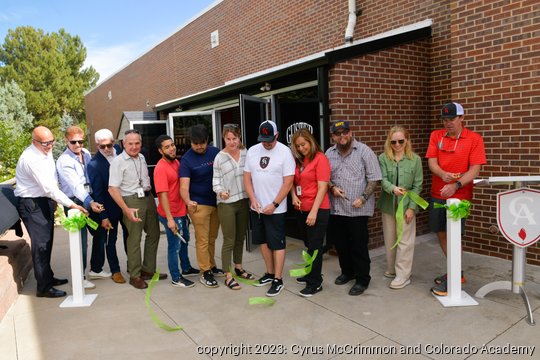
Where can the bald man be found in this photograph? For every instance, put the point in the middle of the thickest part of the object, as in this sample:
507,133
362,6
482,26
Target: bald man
38,193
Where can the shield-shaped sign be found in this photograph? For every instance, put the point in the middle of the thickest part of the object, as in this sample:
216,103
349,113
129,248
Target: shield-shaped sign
518,216
264,161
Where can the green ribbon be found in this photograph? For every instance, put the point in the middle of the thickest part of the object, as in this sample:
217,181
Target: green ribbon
400,212
153,315
77,222
261,301
458,211
306,266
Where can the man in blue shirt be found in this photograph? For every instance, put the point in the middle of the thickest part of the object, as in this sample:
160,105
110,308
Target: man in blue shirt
196,172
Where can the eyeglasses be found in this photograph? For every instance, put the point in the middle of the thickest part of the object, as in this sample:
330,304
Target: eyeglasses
45,143
108,146
441,145
400,141
341,133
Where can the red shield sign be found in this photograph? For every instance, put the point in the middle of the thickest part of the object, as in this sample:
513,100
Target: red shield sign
518,216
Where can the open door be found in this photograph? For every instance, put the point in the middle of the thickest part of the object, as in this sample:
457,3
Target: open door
253,111
179,123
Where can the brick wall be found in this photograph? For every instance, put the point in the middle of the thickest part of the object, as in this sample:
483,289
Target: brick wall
495,73
381,90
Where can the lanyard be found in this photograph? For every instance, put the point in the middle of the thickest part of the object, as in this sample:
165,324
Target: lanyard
139,172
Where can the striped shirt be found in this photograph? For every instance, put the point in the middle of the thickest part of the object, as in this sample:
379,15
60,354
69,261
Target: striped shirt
351,173
229,176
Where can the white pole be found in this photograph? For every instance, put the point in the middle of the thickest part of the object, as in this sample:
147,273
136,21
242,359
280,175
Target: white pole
75,252
455,296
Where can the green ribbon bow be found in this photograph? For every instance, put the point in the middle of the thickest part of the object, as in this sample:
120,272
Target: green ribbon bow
458,211
77,222
399,212
153,315
306,266
241,279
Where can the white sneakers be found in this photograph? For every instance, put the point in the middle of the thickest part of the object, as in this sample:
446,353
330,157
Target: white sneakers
88,284
399,283
100,275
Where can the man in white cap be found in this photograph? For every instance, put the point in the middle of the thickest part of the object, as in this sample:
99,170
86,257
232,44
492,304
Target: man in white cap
455,156
268,178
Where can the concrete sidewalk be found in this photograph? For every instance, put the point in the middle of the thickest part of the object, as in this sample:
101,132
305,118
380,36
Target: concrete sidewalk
330,325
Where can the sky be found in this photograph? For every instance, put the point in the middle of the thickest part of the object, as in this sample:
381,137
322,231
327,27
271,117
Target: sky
114,32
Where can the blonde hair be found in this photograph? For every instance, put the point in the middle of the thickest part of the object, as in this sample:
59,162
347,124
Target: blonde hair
72,130
389,152
308,136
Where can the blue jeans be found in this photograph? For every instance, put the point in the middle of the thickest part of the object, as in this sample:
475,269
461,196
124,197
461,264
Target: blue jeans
176,248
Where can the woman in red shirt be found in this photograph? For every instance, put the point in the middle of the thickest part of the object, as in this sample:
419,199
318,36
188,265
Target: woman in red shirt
310,199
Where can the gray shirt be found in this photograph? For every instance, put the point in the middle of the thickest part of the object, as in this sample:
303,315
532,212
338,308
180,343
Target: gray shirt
128,174
351,173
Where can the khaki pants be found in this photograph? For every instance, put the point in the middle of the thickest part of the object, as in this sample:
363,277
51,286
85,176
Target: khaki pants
206,224
399,260
150,225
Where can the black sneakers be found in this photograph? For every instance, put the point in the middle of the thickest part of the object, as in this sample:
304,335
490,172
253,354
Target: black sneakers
207,279
309,291
275,289
217,272
265,280
183,282
190,272
301,280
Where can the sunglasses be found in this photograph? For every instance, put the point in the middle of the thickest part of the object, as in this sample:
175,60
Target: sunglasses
400,141
341,133
132,131
73,142
45,143
108,146
230,126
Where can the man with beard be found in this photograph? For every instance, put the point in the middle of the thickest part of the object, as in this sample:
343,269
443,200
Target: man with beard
172,210
196,173
355,173
268,178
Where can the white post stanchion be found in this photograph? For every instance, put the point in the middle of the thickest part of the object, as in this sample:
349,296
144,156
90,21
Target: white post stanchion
78,299
455,297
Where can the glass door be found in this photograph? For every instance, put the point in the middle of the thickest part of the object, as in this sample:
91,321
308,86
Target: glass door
179,123
253,111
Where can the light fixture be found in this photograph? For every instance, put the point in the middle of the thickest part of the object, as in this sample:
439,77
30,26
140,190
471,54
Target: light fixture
266,87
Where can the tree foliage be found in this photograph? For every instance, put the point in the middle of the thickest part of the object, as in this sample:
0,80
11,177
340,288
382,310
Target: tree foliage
15,126
48,67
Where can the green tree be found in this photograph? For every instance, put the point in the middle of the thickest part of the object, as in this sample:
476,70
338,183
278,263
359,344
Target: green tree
15,127
49,69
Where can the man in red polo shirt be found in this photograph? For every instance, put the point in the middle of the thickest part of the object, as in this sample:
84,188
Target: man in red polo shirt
455,156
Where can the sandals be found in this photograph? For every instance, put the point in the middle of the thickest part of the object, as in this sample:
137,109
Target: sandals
244,274
232,284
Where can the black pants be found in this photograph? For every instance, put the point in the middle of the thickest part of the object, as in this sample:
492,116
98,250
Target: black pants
313,239
351,237
37,215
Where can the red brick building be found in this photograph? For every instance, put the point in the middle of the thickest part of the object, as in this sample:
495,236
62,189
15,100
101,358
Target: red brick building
404,60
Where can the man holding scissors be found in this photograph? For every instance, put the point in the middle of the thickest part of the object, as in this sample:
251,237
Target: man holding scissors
355,173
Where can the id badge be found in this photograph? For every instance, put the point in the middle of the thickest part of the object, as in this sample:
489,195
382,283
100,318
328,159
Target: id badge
87,188
140,192
299,190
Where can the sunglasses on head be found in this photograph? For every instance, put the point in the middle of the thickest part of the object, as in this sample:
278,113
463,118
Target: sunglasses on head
400,141
73,142
108,146
230,126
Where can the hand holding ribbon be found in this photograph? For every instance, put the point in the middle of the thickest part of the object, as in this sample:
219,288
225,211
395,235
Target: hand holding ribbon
399,212
77,222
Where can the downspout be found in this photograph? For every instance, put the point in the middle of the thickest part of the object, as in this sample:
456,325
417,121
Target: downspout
352,22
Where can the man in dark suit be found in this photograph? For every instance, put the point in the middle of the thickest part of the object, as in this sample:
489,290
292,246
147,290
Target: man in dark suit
105,236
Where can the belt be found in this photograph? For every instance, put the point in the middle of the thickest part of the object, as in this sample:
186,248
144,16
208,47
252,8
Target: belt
146,193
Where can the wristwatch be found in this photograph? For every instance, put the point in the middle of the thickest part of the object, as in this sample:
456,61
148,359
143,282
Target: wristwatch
459,184
365,197
276,205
